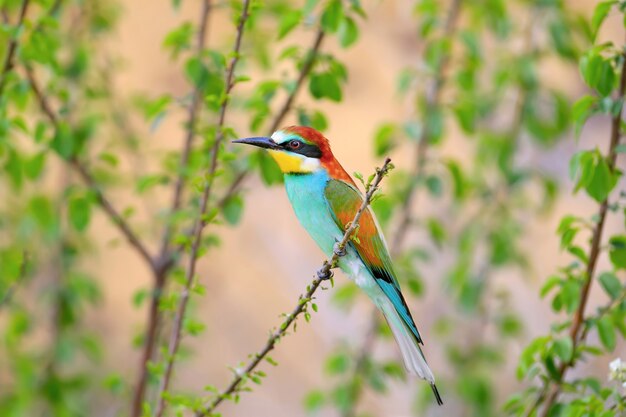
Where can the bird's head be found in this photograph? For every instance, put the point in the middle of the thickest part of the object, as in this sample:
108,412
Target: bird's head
296,149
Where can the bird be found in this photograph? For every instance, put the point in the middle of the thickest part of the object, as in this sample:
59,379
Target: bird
325,200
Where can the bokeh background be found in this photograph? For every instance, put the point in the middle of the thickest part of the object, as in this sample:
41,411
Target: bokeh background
266,261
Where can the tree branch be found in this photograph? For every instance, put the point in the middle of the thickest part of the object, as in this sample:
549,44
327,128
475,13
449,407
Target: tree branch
88,179
303,301
551,392
307,66
9,60
201,220
433,101
192,116
164,260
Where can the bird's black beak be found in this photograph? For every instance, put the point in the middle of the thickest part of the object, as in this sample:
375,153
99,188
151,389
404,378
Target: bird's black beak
261,142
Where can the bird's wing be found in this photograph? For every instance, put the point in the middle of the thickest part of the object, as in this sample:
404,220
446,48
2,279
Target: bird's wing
344,201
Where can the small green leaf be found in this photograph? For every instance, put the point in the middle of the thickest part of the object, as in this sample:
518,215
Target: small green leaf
233,209
79,212
288,22
564,348
179,39
348,32
599,14
313,401
606,332
581,110
611,284
331,17
325,85
384,139
617,251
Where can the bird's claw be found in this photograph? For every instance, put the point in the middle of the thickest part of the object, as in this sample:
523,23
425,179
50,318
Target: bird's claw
324,274
338,250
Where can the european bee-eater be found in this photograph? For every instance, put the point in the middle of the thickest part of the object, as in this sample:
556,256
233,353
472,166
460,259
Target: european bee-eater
325,199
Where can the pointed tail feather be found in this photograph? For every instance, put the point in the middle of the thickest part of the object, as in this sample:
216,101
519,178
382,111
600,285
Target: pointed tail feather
414,359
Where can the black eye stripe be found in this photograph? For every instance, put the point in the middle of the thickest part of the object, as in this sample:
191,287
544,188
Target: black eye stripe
306,149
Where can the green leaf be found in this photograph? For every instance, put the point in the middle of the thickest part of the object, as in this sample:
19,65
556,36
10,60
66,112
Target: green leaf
348,32
606,332
34,166
384,139
288,22
337,363
270,172
197,72
325,85
331,17
599,14
617,251
79,212
147,182
595,175
598,72
179,39
313,401
434,185
611,284
564,348
437,231
581,110
233,209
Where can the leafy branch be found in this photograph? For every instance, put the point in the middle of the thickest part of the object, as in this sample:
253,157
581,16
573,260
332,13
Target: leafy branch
286,107
325,272
105,202
550,392
433,102
201,220
164,261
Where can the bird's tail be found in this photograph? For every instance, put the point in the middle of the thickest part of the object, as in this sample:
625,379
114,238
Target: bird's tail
412,355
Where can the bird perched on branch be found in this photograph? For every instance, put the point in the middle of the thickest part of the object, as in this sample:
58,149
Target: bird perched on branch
325,200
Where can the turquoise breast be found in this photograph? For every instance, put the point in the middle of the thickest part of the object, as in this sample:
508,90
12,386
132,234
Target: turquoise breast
306,193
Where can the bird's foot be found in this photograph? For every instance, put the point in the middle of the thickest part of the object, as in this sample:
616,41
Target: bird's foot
325,274
339,250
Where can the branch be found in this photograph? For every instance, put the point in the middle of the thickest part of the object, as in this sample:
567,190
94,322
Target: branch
307,66
164,260
433,101
201,220
88,179
551,392
303,301
191,132
9,61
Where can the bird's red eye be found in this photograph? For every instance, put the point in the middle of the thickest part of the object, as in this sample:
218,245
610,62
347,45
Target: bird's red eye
295,144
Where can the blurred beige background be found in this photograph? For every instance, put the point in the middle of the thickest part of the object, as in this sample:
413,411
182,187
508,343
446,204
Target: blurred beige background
267,261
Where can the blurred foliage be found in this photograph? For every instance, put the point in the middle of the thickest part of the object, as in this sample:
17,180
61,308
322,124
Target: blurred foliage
71,145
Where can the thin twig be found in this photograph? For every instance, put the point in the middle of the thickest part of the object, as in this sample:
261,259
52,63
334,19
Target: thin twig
303,301
164,260
433,101
9,60
113,214
192,116
201,221
286,107
578,320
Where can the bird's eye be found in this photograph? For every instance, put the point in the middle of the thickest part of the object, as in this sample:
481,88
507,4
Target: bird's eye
295,144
